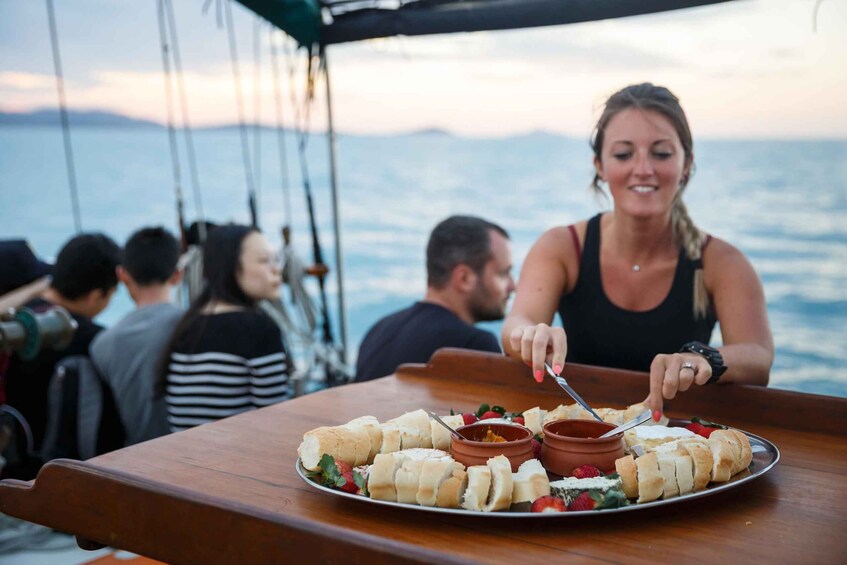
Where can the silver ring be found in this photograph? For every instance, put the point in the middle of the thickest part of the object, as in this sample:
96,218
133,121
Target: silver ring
687,365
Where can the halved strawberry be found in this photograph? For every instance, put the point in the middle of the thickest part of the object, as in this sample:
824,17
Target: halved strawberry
469,418
586,472
490,414
583,502
519,420
549,504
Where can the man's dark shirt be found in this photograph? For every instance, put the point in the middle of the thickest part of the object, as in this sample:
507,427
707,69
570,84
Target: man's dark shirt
27,381
412,336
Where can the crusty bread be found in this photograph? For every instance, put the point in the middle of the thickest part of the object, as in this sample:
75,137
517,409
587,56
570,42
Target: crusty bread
636,409
530,482
315,443
611,415
407,480
414,429
452,491
371,426
650,437
433,474
479,483
561,412
746,451
500,494
577,412
390,438
441,437
724,454
626,468
650,480
381,476
684,473
346,448
701,457
667,467
534,419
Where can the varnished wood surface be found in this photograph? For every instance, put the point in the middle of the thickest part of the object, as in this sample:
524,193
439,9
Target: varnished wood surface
228,492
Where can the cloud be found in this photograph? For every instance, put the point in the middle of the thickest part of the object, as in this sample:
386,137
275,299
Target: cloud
26,81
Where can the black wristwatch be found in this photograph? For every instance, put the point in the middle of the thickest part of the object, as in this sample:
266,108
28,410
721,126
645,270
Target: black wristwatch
712,355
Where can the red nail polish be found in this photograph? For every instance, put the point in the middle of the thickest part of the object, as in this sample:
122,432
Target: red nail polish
539,376
657,415
557,369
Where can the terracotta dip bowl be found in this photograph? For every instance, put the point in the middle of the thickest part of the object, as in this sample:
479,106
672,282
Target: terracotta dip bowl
473,451
571,443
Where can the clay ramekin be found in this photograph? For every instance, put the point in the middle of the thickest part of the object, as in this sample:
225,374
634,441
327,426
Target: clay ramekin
569,444
472,451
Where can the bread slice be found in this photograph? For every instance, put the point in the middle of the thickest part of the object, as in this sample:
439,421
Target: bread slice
371,425
636,409
667,466
577,412
561,412
534,419
530,482
433,473
452,491
684,473
500,494
315,443
349,444
382,474
651,482
701,457
746,451
611,416
441,437
651,436
625,467
390,438
479,483
407,480
724,455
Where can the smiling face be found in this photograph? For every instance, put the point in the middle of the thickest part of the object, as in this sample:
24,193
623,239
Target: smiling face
643,162
258,273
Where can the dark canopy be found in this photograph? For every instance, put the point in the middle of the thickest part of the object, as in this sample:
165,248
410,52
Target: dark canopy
339,21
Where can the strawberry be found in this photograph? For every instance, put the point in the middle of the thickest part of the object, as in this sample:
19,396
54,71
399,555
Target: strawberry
583,502
586,472
707,431
490,414
549,504
469,418
536,448
695,427
519,420
346,472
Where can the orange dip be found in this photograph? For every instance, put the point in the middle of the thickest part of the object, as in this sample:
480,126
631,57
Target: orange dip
491,437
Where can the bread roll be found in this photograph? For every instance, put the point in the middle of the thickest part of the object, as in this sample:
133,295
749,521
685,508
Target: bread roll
381,476
684,473
407,480
500,495
667,466
452,491
479,483
433,473
625,467
650,480
390,438
315,443
371,425
441,437
701,457
530,482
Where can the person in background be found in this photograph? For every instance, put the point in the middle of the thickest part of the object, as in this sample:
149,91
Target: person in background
225,355
469,280
126,354
84,280
641,286
23,276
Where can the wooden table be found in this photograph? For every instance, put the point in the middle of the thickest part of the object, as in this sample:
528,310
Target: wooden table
228,492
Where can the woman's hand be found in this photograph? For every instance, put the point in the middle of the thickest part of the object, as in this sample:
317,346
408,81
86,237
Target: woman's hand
670,374
540,344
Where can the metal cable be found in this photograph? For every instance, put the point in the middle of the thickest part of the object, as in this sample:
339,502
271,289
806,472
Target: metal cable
280,130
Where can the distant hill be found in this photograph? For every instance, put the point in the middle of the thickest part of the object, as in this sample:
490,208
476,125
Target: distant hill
77,118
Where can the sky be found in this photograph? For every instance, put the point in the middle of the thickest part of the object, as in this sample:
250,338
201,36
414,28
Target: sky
745,69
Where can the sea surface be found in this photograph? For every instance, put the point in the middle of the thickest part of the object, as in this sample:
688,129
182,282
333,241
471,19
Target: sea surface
783,203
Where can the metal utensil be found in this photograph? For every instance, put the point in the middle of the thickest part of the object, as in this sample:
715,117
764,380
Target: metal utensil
571,392
438,419
637,421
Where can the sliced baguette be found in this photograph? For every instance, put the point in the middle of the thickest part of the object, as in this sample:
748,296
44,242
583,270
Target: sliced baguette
611,415
479,483
371,426
408,480
433,473
382,474
701,457
636,409
452,491
441,438
534,419
349,444
650,480
500,494
530,482
667,466
390,438
315,443
746,451
626,468
724,454
684,473
561,412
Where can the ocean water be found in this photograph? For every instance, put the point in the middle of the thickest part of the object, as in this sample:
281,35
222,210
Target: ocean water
783,203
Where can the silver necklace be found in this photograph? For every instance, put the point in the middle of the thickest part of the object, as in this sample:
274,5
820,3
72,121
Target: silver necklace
636,268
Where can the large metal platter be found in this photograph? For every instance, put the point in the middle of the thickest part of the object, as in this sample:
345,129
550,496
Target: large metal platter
765,456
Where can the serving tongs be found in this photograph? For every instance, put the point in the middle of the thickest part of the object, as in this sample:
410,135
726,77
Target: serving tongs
560,380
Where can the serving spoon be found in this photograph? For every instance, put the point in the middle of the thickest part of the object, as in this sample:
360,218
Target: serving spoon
438,419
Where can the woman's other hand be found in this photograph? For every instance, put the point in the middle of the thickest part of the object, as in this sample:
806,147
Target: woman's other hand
672,374
540,344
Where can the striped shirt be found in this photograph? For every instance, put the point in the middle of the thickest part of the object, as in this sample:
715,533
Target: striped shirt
225,364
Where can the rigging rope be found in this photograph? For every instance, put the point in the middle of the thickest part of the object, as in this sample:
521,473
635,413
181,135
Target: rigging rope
280,130
63,116
242,127
257,107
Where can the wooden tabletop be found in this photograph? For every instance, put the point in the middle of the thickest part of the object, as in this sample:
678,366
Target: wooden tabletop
228,492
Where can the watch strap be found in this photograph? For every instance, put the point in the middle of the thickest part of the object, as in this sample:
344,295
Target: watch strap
712,356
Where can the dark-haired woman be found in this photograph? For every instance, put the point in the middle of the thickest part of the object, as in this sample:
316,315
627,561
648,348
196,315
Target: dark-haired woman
641,287
226,356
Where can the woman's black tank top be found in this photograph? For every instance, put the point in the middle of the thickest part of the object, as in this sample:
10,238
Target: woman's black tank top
601,333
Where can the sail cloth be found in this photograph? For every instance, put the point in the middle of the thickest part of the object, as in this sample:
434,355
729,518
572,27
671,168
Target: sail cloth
327,22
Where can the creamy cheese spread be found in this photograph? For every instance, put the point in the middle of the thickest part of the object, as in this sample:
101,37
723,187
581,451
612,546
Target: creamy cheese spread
659,432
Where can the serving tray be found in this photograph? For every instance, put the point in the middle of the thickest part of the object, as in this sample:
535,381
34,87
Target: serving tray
765,456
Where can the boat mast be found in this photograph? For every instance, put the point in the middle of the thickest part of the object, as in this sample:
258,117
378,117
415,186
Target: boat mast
333,182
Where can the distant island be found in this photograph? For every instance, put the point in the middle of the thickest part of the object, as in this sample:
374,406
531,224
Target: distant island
76,118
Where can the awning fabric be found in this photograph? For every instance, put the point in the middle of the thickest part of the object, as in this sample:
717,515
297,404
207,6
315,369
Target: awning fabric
327,22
